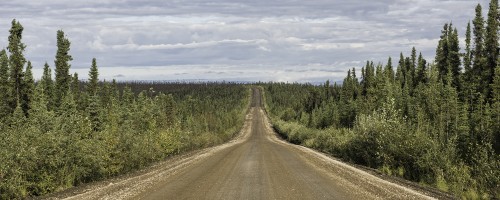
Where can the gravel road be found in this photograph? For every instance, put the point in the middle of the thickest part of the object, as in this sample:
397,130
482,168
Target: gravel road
255,165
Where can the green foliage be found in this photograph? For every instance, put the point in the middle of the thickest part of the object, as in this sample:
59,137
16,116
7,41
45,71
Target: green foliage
491,47
424,147
28,88
63,78
51,151
478,60
93,79
432,124
5,98
47,85
75,86
496,110
421,71
16,62
388,71
55,137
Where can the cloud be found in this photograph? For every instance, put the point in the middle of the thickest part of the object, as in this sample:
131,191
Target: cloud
193,45
154,39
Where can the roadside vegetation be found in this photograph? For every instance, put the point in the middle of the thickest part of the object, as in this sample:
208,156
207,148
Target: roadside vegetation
437,124
62,132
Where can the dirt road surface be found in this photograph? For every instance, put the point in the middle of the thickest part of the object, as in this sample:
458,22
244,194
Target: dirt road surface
255,165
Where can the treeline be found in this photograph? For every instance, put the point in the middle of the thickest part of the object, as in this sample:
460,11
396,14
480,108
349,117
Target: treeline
61,132
433,123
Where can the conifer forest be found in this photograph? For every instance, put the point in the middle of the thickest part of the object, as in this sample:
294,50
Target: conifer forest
61,132
436,123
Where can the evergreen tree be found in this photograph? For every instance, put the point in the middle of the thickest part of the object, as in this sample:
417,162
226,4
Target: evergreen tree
39,114
5,99
355,83
421,72
412,67
347,88
401,71
442,53
496,84
28,86
496,108
47,85
94,104
116,92
368,75
454,58
410,71
388,71
93,110
18,119
127,96
75,87
468,81
447,119
413,58
468,53
63,78
478,53
68,114
491,49
16,61
93,79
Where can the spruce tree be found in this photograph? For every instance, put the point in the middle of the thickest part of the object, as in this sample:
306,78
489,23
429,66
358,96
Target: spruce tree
28,89
413,58
63,78
401,71
93,110
496,84
355,83
93,105
127,96
448,56
468,81
47,85
5,99
93,79
454,58
496,108
39,114
421,72
468,53
18,119
16,61
388,71
368,78
408,82
75,87
478,53
116,91
491,49
413,66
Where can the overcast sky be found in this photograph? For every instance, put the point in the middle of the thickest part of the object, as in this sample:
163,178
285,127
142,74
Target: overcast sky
247,40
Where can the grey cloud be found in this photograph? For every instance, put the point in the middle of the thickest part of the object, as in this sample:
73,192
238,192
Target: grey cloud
302,38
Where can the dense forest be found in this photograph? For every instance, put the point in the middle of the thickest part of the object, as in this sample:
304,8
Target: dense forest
434,123
61,132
